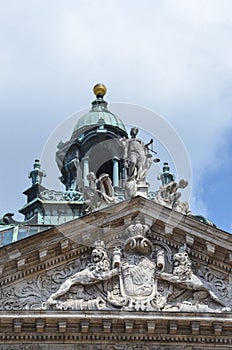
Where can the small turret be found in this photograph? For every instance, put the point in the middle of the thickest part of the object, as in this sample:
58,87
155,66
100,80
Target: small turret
93,147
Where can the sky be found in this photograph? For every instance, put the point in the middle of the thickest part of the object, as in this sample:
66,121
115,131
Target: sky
171,57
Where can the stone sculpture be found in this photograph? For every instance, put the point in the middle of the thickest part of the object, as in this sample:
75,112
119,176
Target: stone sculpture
98,270
138,279
98,192
184,277
136,273
136,156
169,196
138,160
71,169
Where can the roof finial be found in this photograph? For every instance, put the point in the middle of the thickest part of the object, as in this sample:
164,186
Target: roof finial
166,177
99,90
37,174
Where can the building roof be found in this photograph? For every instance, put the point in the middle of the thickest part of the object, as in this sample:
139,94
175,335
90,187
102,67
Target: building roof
99,113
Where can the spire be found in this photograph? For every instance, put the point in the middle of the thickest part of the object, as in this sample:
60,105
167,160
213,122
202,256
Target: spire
37,174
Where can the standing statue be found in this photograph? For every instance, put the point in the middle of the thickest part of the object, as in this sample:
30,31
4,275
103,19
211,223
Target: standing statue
69,166
71,169
137,156
91,197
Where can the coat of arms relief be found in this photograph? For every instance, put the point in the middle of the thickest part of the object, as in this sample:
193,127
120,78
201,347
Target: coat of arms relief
140,273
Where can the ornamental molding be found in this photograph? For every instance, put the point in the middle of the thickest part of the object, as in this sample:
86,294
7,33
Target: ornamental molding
59,196
42,266
112,239
137,332
195,254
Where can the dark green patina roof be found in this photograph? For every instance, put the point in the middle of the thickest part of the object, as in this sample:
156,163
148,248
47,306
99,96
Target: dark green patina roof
99,113
99,116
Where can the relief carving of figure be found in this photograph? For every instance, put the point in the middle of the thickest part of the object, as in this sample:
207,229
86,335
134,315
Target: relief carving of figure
98,270
140,275
138,279
184,278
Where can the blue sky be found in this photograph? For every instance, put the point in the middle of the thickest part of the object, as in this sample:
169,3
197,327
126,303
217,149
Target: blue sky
173,57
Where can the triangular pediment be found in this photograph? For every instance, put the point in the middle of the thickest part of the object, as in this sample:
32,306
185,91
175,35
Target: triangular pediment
132,258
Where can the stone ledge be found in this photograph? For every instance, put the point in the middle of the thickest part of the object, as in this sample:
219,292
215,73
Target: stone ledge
23,326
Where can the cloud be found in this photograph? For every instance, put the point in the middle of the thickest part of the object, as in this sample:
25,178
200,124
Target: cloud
170,56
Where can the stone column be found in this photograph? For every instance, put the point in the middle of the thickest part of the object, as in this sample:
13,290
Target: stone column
85,170
115,171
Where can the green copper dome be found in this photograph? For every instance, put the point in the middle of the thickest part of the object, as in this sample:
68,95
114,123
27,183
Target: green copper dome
96,116
99,114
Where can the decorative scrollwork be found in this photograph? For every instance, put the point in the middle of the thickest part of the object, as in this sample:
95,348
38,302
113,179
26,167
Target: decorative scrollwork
29,294
69,196
215,280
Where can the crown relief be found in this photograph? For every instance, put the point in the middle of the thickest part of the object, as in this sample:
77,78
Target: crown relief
138,228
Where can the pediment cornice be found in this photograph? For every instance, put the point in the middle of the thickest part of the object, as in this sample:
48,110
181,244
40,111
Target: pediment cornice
50,247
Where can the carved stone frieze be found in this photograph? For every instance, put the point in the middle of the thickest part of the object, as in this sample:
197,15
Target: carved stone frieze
138,273
199,294
144,277
29,294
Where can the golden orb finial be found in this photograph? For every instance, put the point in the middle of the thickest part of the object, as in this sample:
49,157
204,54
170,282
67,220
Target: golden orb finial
99,89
